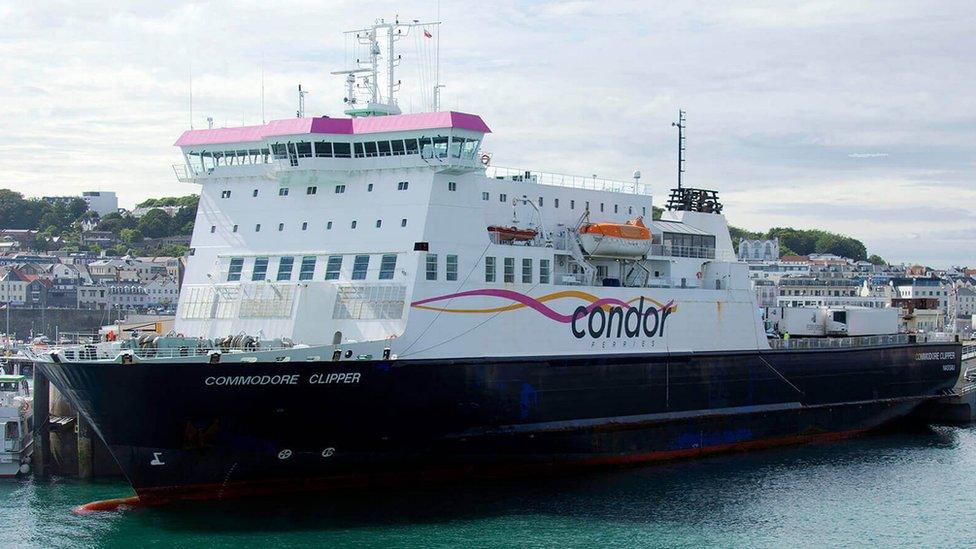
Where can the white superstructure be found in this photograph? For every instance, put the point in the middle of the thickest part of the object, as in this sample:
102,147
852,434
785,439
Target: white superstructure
372,233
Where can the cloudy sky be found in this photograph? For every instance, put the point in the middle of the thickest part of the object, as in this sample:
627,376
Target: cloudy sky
852,116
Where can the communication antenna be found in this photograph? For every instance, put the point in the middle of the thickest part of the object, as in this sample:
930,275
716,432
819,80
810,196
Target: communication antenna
191,93
680,124
262,88
370,38
209,122
300,113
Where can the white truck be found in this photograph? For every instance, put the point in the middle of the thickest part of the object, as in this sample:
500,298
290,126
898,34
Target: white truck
830,321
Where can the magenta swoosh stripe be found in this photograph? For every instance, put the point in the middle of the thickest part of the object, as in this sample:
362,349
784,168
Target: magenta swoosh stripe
525,300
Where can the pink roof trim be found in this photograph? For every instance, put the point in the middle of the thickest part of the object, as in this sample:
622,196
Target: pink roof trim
338,126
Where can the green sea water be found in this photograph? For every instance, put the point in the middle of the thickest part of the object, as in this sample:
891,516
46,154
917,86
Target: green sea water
914,488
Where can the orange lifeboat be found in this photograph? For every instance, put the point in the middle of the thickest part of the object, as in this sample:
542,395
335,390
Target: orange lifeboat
510,234
632,238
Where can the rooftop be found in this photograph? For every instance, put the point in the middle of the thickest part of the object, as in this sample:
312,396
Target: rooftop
335,126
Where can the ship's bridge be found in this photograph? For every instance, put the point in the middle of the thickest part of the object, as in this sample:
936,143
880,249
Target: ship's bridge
447,141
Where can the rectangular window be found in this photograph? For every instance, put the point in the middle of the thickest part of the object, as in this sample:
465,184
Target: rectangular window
236,266
224,194
323,149
402,185
485,196
387,266
509,273
544,271
527,271
254,193
503,197
397,146
451,267
260,269
383,148
307,271
341,150
451,186
257,228
431,266
370,149
304,149
340,189
283,191
333,267
359,267
540,201
490,269
285,265
328,226
311,190
572,204
555,202
410,146
359,150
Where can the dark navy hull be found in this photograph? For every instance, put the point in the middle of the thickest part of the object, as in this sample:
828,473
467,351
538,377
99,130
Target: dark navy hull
211,431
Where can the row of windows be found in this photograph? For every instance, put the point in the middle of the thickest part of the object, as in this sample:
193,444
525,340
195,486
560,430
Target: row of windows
339,189
328,226
491,269
333,268
428,147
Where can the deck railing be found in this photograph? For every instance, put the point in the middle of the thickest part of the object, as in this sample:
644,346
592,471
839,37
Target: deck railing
840,342
565,180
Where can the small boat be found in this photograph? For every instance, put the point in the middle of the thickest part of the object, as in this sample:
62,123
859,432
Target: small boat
509,234
632,238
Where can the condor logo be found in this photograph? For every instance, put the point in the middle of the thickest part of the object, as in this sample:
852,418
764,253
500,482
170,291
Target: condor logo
619,321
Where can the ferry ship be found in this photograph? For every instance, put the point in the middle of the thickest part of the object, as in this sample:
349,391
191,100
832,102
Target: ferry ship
368,300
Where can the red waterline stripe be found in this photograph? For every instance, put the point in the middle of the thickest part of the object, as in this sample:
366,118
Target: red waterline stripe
163,495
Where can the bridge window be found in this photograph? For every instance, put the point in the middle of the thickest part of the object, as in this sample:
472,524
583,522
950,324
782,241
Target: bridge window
341,150
451,267
280,153
439,147
370,149
387,266
397,147
307,271
490,269
431,266
323,149
544,271
333,267
383,148
285,266
509,272
360,266
236,266
470,147
527,271
359,150
410,146
457,144
260,269
304,149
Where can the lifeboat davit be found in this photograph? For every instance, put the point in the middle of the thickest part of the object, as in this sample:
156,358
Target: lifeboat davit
509,234
632,238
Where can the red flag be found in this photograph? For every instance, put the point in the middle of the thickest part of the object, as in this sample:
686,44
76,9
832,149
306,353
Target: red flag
427,34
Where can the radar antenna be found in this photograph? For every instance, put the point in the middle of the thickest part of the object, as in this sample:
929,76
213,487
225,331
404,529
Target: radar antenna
300,113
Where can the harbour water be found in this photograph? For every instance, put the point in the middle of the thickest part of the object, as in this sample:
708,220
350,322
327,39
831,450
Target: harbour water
913,487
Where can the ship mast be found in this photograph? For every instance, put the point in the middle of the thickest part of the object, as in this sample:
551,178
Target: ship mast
680,124
369,69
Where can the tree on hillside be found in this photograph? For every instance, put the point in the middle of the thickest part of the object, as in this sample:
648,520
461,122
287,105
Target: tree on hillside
876,259
154,224
115,222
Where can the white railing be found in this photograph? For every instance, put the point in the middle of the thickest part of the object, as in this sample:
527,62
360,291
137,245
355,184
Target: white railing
565,180
841,342
183,173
